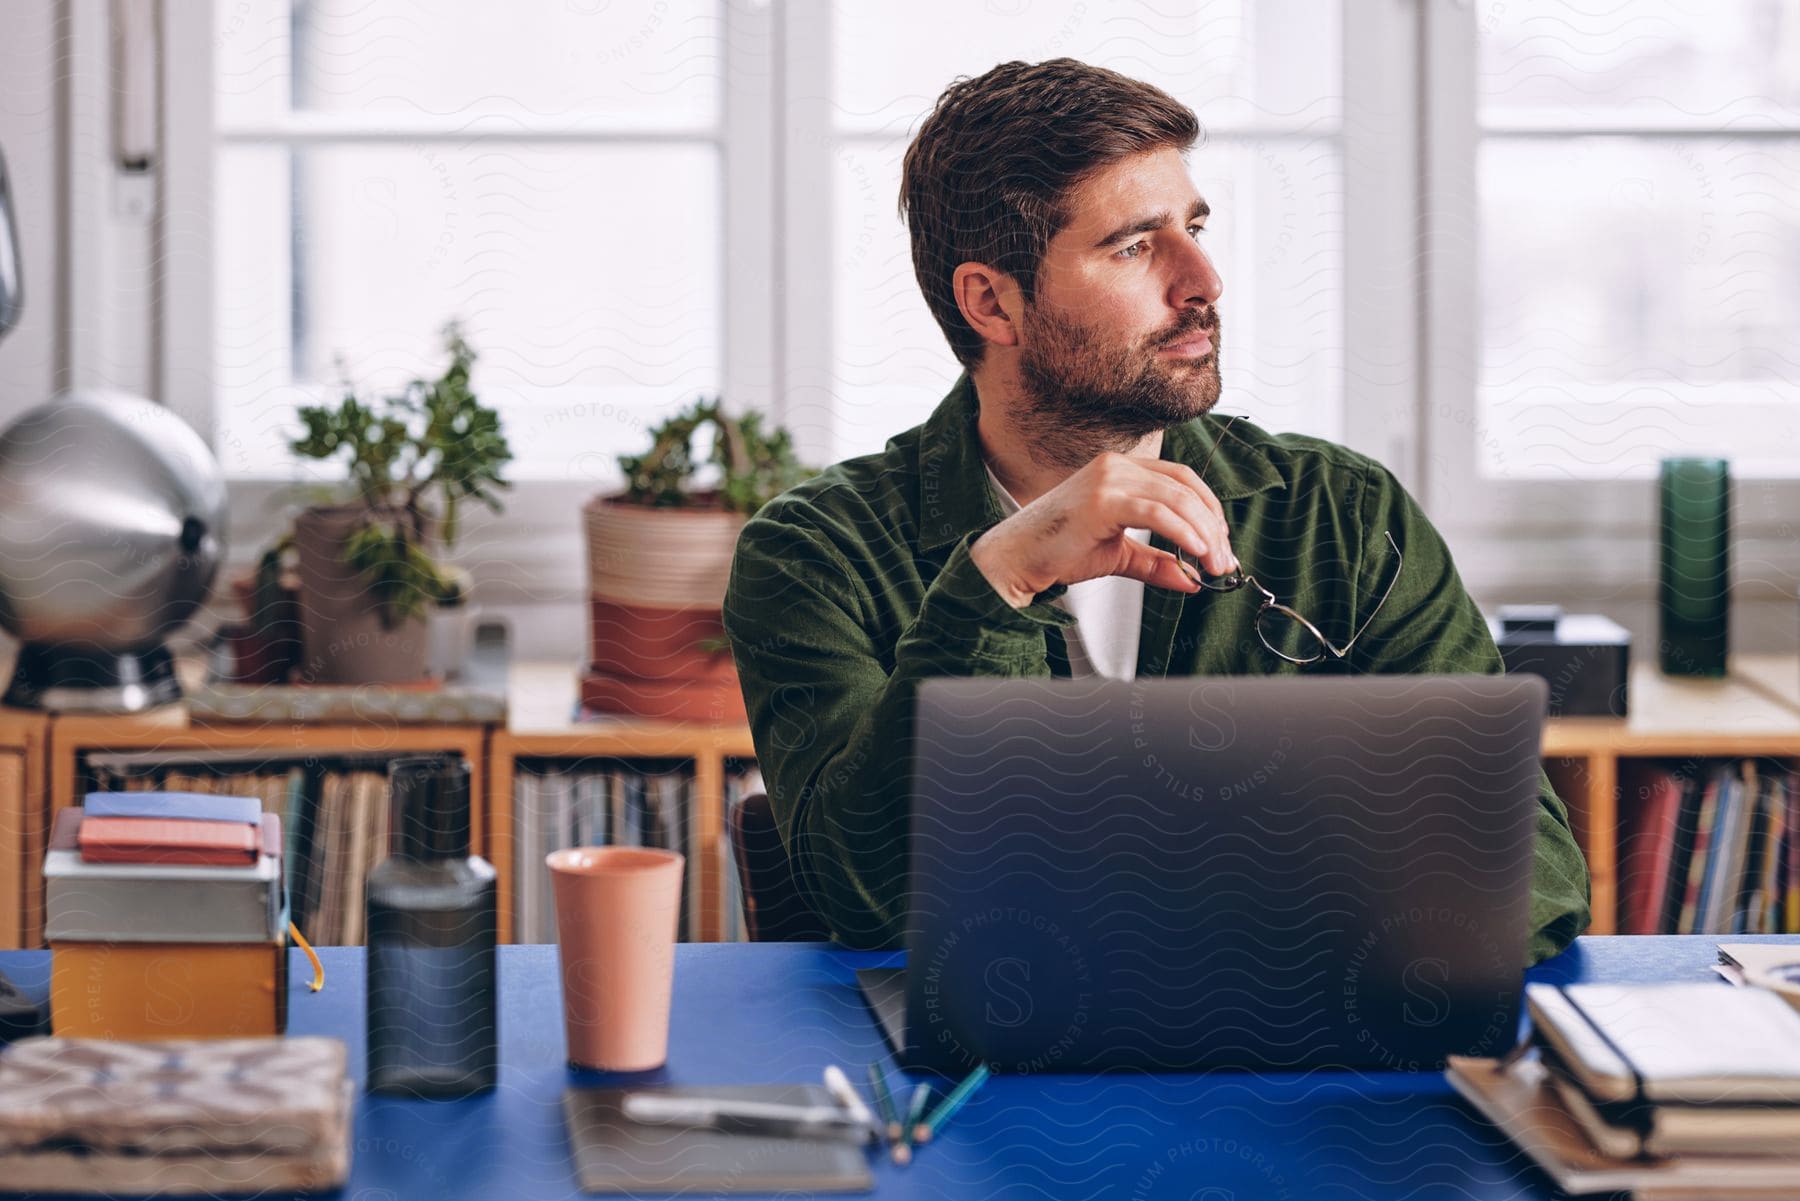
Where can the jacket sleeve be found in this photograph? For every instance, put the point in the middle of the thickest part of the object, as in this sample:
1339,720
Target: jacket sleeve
832,726
1431,624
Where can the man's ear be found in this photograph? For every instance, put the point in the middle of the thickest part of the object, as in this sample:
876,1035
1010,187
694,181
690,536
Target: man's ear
991,302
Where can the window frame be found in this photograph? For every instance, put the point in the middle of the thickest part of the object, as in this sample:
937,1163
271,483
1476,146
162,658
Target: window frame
533,552
1409,139
1516,536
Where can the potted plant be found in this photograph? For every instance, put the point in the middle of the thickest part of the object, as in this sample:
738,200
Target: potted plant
659,555
367,568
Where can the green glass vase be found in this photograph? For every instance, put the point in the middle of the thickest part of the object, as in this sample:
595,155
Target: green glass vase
1694,598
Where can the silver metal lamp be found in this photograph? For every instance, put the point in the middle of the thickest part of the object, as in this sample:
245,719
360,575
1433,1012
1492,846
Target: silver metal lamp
112,520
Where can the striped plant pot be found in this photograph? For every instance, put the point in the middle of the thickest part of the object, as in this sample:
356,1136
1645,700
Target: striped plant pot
656,586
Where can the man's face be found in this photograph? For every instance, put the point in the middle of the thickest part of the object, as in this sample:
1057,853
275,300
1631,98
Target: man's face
1123,336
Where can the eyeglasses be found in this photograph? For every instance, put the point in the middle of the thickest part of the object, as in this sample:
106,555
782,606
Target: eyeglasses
1277,624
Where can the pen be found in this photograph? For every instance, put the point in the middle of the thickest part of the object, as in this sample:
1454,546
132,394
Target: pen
946,1109
884,1101
839,1086
745,1117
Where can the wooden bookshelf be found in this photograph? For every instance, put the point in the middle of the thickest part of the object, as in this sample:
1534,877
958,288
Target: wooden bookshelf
170,731
23,737
1753,711
541,707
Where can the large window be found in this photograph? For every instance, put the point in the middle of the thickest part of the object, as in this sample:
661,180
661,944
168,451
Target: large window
1265,79
1640,253
550,172
1517,254
546,171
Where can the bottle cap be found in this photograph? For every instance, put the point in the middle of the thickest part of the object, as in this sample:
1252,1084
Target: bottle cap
429,811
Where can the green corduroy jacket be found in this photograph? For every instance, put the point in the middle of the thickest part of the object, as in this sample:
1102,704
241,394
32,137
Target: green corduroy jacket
849,589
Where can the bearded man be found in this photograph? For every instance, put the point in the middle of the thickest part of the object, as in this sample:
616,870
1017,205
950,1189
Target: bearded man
1041,521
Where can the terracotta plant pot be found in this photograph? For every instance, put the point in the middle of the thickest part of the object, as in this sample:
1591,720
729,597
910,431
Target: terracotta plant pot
656,588
636,640
343,638
708,700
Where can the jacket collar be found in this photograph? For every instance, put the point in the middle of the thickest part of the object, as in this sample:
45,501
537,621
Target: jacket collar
954,497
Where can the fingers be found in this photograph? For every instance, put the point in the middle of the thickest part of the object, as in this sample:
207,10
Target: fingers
1158,567
1186,476
1176,524
1181,488
1218,557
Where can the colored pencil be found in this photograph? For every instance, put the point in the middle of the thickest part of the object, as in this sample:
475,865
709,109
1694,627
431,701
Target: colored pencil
955,1100
884,1101
914,1112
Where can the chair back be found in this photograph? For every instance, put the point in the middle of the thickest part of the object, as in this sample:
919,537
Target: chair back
774,908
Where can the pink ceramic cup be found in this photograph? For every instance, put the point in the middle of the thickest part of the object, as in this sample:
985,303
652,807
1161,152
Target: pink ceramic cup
616,915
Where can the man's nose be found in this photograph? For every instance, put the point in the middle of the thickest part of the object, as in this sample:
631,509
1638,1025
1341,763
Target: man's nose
1195,280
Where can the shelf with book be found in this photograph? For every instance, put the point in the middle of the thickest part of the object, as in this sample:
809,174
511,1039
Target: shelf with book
617,801
327,781
542,732
1684,725
1754,712
23,735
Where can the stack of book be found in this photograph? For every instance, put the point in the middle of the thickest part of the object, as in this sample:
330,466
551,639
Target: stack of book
334,815
166,918
1712,849
1664,1090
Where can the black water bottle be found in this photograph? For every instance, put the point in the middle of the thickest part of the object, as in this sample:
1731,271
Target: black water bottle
432,930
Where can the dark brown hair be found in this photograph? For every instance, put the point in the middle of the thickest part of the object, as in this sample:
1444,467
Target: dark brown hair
989,174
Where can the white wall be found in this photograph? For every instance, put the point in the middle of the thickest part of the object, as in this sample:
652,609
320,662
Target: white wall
28,122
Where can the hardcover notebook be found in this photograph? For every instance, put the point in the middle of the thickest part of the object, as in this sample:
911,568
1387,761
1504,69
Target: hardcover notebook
167,840
1691,1044
616,1155
188,806
174,1117
1522,1101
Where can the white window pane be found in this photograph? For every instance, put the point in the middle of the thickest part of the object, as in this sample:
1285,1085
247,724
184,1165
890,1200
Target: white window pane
252,364
463,58
1639,297
1665,57
1235,62
252,57
592,296
1275,234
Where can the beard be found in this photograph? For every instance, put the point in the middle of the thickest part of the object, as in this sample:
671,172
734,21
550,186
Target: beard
1084,394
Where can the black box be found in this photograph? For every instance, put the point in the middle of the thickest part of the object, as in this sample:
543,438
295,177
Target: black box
1586,658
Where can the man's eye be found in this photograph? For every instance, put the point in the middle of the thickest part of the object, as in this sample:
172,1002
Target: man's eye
1127,252
1195,231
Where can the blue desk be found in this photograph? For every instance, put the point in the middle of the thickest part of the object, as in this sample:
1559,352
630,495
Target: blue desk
779,1013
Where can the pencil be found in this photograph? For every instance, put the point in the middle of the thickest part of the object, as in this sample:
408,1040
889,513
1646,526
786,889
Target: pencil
914,1112
884,1101
946,1109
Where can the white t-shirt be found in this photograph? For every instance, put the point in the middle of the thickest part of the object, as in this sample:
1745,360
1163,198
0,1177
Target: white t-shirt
1108,611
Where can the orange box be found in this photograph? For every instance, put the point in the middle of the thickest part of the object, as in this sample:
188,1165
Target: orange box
149,990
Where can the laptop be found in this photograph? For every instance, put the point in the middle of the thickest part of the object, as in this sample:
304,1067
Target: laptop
1209,872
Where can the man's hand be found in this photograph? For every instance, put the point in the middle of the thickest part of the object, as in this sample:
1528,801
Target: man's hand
1076,531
